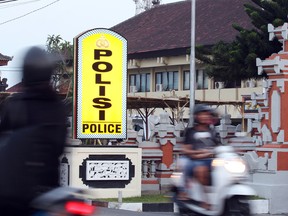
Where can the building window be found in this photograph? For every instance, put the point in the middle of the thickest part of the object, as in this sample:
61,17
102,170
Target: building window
201,80
140,81
186,80
233,84
168,80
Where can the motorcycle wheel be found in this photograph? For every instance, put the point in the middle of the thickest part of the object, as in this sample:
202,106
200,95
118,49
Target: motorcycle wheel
237,206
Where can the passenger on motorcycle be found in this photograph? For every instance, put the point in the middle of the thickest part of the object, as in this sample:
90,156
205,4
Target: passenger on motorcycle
35,123
199,142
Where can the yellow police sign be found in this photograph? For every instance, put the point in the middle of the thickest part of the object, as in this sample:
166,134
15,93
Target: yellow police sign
100,84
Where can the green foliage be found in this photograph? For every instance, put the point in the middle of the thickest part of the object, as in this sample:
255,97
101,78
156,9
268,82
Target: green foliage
56,45
237,60
63,52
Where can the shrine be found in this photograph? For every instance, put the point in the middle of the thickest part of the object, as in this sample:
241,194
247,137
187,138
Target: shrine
269,129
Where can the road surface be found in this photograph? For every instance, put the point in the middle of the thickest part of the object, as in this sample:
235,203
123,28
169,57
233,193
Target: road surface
101,211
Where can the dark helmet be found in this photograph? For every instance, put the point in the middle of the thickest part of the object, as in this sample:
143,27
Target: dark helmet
202,108
37,67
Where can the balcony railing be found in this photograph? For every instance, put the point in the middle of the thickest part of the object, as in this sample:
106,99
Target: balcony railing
216,95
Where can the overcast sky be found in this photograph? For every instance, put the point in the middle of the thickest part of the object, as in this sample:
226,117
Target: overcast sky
24,23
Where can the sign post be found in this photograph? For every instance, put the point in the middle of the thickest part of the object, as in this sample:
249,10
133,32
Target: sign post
100,90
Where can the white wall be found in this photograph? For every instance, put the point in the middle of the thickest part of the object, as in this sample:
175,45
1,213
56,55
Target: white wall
76,155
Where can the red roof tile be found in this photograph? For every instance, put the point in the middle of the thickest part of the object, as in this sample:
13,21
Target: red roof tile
168,26
16,88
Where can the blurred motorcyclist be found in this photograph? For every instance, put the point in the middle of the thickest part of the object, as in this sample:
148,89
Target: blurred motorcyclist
35,121
199,140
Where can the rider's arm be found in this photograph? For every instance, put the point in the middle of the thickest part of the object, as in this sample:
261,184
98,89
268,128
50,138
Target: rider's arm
196,154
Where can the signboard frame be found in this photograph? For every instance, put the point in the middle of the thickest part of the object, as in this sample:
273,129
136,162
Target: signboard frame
106,117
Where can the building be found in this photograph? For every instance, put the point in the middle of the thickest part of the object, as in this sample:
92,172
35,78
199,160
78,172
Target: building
4,59
159,42
3,62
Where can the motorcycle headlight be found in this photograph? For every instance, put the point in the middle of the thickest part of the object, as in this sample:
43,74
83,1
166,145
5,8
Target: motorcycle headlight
235,165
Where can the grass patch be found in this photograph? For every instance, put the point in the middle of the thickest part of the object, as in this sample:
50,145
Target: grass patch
159,198
256,198
155,198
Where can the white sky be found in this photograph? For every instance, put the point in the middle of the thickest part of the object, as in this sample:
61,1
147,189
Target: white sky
24,23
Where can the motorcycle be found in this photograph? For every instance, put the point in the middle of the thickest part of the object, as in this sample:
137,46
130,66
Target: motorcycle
228,193
63,201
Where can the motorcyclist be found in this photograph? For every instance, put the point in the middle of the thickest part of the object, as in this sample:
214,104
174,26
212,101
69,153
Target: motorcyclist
36,122
199,140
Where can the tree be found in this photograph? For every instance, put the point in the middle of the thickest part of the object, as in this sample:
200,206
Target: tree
63,52
237,60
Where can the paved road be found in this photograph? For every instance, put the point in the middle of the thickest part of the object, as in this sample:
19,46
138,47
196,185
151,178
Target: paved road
271,215
116,212
101,211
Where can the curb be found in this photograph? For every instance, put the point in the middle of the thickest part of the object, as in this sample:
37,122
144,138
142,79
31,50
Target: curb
257,206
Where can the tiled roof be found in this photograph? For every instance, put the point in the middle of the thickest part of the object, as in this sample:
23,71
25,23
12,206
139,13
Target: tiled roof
5,58
16,88
168,26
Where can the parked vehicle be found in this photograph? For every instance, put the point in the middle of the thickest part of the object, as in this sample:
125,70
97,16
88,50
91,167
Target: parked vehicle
64,201
229,191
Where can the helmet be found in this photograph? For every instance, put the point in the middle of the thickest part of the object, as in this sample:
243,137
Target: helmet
202,108
37,67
